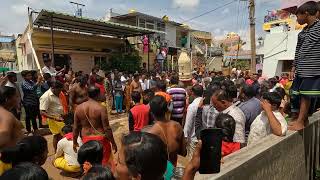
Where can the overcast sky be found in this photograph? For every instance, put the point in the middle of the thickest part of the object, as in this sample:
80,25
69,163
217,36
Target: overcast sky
13,13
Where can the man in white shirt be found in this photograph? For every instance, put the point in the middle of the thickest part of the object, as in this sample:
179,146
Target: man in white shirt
49,69
52,109
143,82
123,79
147,81
223,102
270,121
66,157
189,127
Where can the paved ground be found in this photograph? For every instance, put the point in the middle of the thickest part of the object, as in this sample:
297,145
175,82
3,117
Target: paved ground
119,125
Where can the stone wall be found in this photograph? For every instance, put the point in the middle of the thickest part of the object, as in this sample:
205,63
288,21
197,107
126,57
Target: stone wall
293,157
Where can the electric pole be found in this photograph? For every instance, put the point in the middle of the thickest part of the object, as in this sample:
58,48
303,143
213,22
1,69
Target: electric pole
238,49
252,35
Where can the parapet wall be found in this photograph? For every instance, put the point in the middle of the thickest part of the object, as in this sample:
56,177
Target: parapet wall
293,157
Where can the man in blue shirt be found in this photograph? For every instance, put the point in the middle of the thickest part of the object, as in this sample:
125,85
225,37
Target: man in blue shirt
30,99
250,105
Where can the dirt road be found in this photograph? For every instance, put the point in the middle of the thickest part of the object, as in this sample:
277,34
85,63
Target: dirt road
119,126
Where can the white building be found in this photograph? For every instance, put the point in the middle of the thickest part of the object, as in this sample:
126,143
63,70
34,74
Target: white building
279,51
78,43
280,43
177,36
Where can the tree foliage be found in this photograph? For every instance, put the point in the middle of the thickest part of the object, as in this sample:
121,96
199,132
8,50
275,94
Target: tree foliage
123,62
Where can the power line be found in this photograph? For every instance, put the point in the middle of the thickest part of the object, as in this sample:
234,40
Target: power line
205,13
210,28
275,47
244,22
241,19
266,2
238,14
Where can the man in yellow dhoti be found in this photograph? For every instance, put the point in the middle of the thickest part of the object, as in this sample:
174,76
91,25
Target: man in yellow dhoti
52,109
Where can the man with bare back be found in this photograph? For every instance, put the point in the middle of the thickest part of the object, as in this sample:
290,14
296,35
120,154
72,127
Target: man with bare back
169,131
91,120
10,128
79,93
135,85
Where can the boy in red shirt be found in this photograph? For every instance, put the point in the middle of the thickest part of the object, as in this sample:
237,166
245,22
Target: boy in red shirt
139,114
284,79
99,84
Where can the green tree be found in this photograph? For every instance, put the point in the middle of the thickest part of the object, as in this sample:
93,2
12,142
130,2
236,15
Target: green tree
129,62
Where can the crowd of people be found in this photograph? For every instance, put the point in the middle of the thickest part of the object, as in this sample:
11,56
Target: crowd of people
165,115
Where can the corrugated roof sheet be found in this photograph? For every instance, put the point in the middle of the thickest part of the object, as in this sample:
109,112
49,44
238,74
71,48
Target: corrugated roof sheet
134,14
87,25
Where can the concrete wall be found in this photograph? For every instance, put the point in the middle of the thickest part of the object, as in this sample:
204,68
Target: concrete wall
293,157
278,46
82,62
171,35
81,48
79,61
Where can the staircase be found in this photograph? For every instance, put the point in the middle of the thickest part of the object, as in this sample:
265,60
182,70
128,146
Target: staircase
198,44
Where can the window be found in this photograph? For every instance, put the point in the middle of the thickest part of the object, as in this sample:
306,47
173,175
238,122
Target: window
142,23
5,46
98,60
150,25
161,26
286,65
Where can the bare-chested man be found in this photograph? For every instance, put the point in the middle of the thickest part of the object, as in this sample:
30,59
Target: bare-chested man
79,93
10,128
135,85
91,120
169,131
